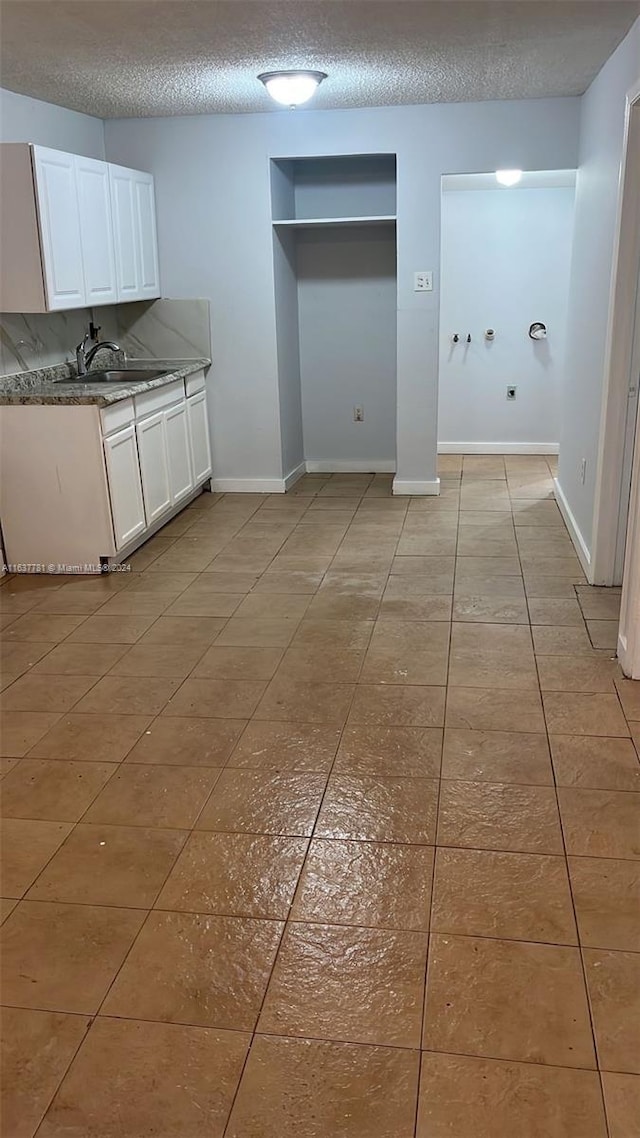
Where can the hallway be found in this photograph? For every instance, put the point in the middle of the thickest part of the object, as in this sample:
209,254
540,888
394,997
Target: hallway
247,874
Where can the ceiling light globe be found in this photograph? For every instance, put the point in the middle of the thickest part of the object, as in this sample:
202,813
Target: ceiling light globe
508,177
292,88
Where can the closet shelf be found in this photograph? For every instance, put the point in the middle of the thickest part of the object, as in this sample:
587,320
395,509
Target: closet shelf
314,222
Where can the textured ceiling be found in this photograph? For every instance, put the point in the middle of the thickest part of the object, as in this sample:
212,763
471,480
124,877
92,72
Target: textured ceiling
117,58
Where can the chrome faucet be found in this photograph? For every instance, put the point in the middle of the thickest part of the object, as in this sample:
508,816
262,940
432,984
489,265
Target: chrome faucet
84,357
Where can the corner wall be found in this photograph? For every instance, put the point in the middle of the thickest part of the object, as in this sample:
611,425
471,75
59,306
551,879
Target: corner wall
597,187
30,120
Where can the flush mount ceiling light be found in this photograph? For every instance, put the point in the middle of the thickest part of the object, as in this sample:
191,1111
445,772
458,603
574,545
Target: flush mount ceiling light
508,177
292,88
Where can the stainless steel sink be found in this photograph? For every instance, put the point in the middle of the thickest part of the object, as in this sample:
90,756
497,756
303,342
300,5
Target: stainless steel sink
128,375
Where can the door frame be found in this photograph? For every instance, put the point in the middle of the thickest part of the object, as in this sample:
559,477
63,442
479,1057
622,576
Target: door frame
629,627
618,357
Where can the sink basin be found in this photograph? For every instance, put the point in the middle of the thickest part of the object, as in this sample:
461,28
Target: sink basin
128,375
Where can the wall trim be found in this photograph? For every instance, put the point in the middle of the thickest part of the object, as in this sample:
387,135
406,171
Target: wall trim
498,448
582,549
354,466
292,477
248,485
402,486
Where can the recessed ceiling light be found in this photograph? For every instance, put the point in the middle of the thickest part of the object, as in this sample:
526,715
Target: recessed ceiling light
508,177
292,88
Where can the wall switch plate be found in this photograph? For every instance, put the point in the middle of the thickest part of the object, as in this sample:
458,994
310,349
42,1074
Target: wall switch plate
511,392
423,281
358,414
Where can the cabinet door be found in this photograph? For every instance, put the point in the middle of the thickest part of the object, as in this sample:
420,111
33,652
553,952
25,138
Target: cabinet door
125,232
96,229
199,436
125,490
154,469
59,221
149,276
178,452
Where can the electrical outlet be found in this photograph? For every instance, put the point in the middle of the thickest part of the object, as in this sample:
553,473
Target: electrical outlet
358,414
511,392
583,471
423,281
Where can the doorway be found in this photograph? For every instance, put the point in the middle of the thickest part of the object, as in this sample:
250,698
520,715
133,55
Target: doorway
505,265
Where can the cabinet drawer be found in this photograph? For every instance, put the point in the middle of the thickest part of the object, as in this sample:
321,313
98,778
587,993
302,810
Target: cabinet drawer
160,397
117,416
194,383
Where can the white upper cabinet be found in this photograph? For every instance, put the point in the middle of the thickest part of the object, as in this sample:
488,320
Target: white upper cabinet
134,224
62,260
147,237
125,232
96,231
74,231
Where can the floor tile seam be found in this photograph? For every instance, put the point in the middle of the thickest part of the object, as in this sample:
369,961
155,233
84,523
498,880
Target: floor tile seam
421,1051
65,711
303,865
317,837
185,830
425,986
155,908
112,674
66,1066
583,970
293,897
190,676
144,922
287,919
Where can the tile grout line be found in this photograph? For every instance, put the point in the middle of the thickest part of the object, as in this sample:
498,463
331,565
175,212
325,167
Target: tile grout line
435,836
287,920
573,906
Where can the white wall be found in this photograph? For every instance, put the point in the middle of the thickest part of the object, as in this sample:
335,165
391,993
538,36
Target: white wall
347,318
212,187
288,349
30,120
505,263
601,139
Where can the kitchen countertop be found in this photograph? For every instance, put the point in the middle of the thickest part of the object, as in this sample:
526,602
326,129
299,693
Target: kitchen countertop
40,386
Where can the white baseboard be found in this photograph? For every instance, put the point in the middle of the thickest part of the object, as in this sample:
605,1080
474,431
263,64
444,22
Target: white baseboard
292,477
357,466
498,448
248,485
400,486
582,549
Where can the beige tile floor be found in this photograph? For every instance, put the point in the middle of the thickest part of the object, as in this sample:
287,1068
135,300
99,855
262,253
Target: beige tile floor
323,821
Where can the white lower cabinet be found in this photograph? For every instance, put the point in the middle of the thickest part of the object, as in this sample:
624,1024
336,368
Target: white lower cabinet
199,435
154,467
80,484
125,488
178,452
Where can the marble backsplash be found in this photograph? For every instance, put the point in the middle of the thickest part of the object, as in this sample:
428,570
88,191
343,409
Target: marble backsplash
159,329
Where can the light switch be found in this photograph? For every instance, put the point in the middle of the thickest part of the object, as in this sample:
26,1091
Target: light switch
423,281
